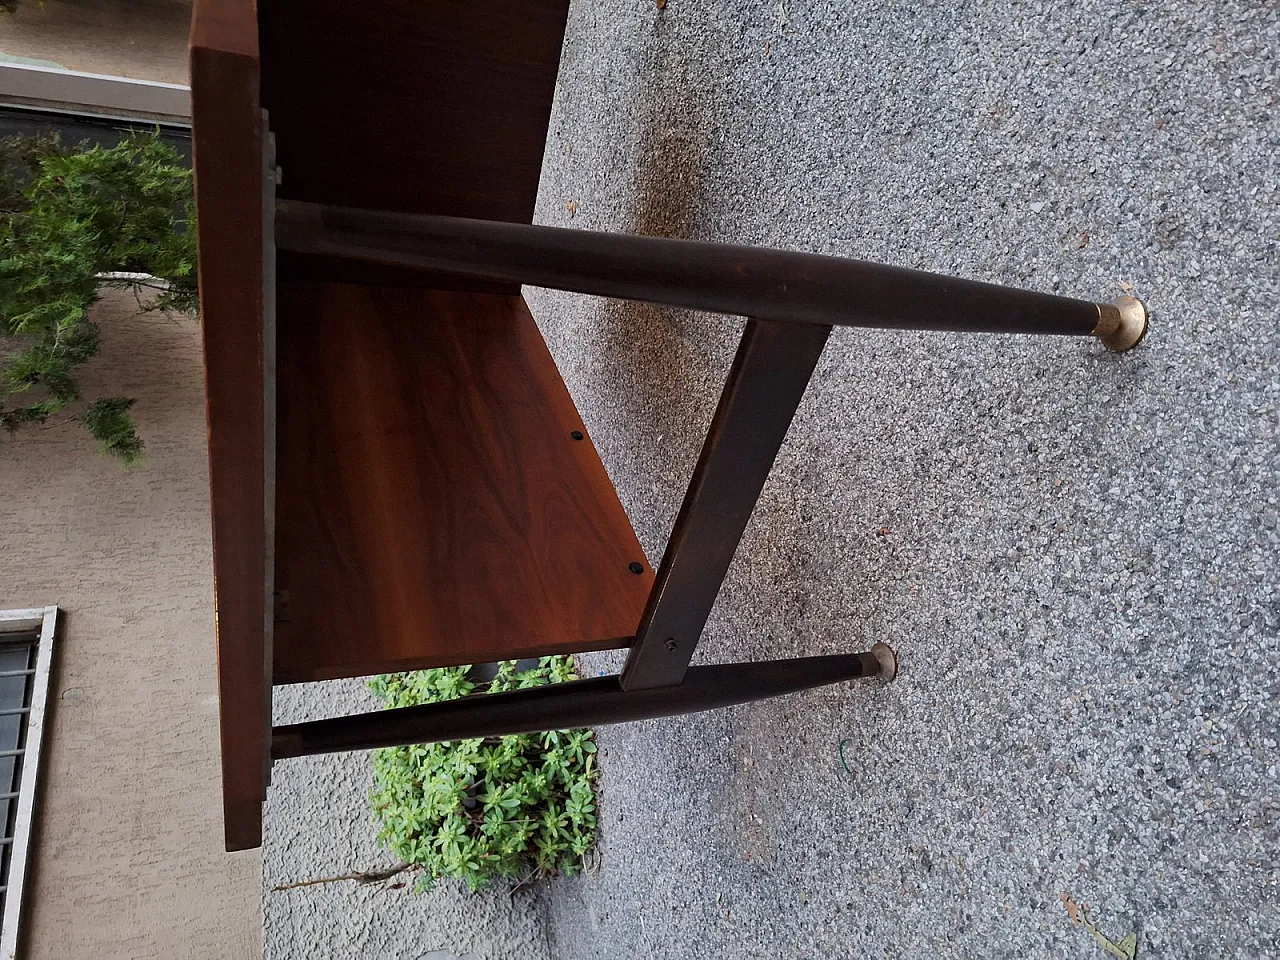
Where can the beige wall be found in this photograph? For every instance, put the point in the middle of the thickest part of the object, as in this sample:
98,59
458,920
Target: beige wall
128,856
139,39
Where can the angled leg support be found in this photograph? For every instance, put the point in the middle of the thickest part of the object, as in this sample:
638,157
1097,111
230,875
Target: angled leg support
765,385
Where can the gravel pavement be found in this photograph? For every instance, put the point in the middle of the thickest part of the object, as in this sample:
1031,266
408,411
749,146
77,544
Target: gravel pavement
1074,553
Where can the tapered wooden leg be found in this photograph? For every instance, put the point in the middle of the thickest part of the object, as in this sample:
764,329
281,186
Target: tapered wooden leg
720,277
582,703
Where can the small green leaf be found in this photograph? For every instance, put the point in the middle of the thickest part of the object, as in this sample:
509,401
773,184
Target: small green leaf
478,809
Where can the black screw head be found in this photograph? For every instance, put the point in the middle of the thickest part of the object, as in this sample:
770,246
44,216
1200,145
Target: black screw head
635,567
576,434
671,645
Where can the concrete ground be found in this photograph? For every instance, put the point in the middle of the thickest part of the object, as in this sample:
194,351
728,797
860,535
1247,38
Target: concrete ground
317,825
1074,553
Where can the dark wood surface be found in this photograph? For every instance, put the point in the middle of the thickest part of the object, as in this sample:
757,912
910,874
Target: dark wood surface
307,268
581,703
227,143
428,106
776,285
766,383
432,505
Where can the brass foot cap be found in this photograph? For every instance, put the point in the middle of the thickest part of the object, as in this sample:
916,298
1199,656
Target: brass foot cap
887,659
1122,324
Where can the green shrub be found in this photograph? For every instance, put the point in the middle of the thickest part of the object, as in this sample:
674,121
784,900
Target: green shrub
73,220
477,809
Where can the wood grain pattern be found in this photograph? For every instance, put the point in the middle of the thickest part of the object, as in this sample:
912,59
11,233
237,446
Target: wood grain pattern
306,267
784,286
428,106
432,506
227,152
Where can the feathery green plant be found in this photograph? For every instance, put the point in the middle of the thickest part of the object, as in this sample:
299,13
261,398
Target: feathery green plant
69,220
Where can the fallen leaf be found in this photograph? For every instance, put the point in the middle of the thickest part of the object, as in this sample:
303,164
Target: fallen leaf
572,207
1126,286
1125,949
662,4
1073,908
1084,240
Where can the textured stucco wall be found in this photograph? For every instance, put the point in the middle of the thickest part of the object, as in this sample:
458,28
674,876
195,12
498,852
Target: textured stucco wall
129,859
139,39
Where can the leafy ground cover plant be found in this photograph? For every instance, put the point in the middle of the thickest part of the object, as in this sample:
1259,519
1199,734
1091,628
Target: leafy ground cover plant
505,807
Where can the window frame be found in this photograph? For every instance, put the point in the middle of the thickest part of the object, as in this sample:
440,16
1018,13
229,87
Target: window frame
55,90
45,621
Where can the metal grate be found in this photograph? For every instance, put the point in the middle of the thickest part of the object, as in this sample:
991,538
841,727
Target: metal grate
26,647
17,660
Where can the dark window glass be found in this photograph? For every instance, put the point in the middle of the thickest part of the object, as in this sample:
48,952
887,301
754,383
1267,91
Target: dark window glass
17,653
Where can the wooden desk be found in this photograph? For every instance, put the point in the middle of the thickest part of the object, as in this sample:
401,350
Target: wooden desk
398,476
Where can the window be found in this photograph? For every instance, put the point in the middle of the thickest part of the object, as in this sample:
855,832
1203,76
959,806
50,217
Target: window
26,652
